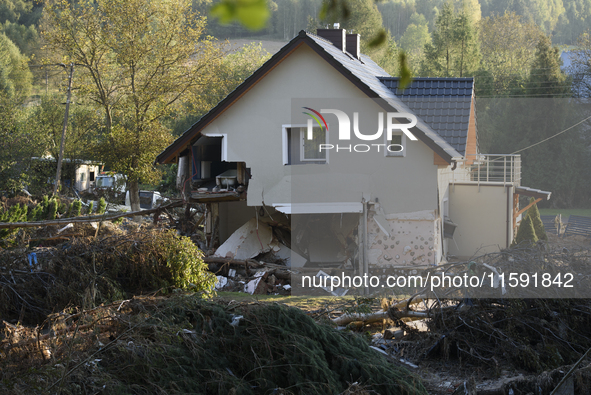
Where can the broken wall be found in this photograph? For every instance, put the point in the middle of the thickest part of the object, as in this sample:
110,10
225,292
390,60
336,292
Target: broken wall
413,239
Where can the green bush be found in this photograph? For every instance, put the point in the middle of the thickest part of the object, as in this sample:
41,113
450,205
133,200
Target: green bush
185,261
36,214
76,210
534,214
102,206
52,209
16,213
526,233
90,208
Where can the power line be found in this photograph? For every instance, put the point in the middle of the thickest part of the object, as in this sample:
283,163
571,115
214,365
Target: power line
551,137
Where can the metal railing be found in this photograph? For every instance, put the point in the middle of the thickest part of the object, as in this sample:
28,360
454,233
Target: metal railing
495,168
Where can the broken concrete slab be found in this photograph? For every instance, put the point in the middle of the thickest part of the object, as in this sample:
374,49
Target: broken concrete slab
251,239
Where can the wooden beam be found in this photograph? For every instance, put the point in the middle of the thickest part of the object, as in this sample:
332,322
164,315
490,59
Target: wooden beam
517,212
528,206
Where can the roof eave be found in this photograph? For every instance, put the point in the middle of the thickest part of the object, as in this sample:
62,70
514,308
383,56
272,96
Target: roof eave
172,151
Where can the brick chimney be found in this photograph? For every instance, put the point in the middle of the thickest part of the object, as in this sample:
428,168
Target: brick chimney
353,43
336,36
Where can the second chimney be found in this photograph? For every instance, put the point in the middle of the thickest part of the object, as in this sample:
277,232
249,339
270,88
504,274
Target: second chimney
336,36
353,43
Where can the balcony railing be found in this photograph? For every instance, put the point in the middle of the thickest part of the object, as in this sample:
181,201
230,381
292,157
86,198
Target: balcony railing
504,169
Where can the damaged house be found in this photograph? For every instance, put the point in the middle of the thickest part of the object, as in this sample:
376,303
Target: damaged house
276,150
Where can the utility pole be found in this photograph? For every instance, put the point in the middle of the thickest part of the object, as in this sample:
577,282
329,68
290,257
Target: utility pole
61,155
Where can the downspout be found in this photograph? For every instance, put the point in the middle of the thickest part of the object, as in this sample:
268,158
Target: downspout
365,263
509,215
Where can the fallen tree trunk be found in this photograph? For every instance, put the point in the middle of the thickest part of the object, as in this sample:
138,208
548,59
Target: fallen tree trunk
400,310
93,218
231,261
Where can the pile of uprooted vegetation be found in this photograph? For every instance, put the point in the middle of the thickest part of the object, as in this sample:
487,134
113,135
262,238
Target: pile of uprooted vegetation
183,344
537,332
87,271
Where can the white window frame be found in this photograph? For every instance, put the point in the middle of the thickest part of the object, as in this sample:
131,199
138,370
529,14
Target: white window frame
285,145
400,154
303,133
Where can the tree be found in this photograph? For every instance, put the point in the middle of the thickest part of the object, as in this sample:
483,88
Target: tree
544,13
469,7
233,70
508,47
534,214
454,51
17,145
580,67
415,38
47,119
546,78
526,233
25,37
137,60
15,77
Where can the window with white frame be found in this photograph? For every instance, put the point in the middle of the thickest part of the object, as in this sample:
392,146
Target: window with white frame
299,148
396,146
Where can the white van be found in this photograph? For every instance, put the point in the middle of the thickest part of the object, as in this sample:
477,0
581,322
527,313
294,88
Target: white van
110,181
148,199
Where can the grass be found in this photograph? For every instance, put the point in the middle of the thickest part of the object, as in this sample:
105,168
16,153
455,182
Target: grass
302,302
566,212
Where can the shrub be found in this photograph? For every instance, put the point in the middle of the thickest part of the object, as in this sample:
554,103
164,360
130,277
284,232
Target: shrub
90,208
76,208
36,214
52,209
526,233
534,214
102,206
16,213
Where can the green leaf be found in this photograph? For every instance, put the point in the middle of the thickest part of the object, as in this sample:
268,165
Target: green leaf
253,14
379,39
405,74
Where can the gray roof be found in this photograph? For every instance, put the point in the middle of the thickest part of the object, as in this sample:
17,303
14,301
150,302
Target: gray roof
443,103
372,75
363,72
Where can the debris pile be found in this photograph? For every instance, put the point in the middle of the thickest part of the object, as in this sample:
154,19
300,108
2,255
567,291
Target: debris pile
255,261
87,271
183,344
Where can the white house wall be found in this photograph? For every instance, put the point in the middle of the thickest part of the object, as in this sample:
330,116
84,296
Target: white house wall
446,177
82,182
403,186
482,214
253,126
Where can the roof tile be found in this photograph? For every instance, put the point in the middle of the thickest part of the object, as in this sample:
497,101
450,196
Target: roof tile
442,103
